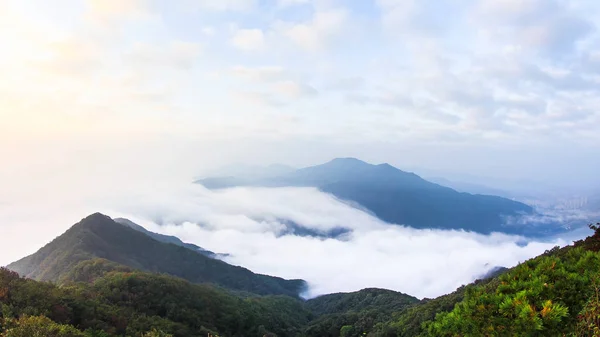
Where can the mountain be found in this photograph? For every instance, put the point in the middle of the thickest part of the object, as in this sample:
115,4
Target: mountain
494,272
554,294
468,187
396,196
167,238
354,312
365,299
98,236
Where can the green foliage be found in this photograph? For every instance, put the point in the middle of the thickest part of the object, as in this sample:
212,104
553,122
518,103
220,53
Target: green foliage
589,317
89,270
132,303
540,297
409,322
156,333
352,314
347,331
365,299
40,326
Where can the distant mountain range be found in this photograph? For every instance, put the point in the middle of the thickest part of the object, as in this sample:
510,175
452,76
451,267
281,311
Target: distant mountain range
99,236
393,195
468,187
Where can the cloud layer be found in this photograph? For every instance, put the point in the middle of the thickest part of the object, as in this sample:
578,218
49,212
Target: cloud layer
253,226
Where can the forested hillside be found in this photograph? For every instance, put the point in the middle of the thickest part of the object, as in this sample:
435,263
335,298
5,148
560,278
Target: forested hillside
354,313
133,303
98,236
555,294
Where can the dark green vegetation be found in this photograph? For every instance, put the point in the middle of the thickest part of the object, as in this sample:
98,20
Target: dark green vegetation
555,294
132,303
98,236
395,196
356,312
164,238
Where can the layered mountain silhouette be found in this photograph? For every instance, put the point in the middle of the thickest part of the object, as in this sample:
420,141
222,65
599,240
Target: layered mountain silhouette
100,237
394,196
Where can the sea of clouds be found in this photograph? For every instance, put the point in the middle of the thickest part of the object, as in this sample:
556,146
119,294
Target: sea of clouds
252,225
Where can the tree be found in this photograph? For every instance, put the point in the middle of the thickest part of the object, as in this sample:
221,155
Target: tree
346,331
156,333
41,326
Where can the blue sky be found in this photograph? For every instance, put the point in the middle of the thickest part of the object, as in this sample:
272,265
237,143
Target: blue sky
499,87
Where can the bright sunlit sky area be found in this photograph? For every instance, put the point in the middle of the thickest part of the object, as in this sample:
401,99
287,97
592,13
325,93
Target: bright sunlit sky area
107,101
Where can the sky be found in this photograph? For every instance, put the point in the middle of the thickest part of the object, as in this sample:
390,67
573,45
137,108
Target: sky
105,100
499,88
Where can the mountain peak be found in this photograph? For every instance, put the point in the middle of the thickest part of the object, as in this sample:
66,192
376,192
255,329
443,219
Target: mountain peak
348,160
96,216
397,196
93,220
386,165
99,237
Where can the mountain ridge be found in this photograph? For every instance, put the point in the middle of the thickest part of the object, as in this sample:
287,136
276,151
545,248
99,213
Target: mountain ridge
396,196
99,236
167,238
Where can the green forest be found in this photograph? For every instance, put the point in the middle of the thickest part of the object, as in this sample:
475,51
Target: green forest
555,294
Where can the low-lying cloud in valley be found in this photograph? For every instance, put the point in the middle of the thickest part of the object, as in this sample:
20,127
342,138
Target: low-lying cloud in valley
281,232
253,226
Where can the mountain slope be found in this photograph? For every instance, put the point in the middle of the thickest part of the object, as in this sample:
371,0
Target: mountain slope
165,238
360,300
354,312
554,294
396,196
98,236
134,303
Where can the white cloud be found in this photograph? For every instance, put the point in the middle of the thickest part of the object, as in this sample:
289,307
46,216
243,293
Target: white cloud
259,98
106,10
294,89
249,39
260,74
225,5
251,225
208,31
317,33
248,223
550,26
288,3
